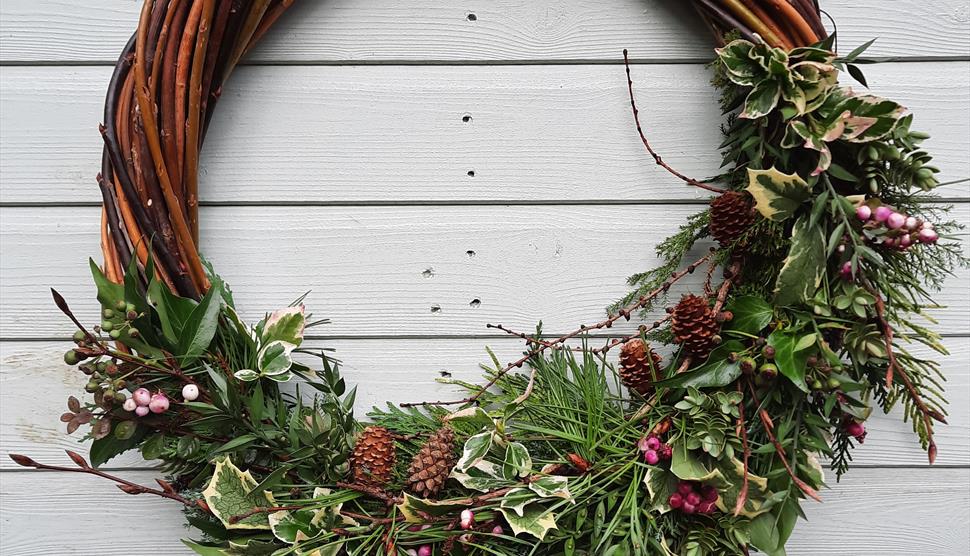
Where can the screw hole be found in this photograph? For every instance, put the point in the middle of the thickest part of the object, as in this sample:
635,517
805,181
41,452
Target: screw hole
472,17
471,173
436,309
428,273
475,303
466,118
470,253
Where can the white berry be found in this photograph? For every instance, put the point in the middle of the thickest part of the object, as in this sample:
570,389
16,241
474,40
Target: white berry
190,392
129,405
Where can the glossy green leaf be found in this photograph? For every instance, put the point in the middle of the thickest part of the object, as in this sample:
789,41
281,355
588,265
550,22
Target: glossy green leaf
751,314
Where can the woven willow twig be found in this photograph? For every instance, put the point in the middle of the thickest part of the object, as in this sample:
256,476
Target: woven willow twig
169,78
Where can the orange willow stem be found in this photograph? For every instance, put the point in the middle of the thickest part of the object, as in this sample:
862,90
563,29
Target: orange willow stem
192,133
787,12
755,23
183,66
246,33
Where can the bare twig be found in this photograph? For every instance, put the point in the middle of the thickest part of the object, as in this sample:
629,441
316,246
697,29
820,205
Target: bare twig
643,137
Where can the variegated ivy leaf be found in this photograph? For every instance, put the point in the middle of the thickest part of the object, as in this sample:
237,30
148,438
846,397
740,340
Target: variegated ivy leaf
417,510
518,462
804,267
475,450
230,494
286,325
525,516
777,195
246,375
274,358
552,486
483,477
473,416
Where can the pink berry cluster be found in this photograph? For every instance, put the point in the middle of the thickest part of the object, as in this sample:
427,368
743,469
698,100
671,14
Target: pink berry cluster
142,401
903,230
694,498
654,449
855,429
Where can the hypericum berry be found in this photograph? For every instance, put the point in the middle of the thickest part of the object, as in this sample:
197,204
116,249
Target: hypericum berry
768,370
896,220
846,270
142,396
685,488
92,386
834,383
424,550
693,499
190,392
652,443
768,352
467,519
856,429
863,212
141,410
129,405
675,500
159,403
79,337
651,457
688,508
709,493
882,213
71,357
927,235
748,365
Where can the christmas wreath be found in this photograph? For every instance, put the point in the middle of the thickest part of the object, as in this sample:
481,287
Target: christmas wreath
821,229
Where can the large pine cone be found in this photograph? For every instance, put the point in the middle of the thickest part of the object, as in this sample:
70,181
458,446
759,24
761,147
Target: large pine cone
732,214
639,365
374,456
695,326
432,464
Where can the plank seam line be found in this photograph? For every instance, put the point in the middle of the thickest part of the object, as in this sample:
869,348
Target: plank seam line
476,62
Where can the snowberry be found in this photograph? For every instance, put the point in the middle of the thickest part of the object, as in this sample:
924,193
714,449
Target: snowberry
424,550
896,220
912,224
651,457
129,405
142,396
905,241
497,530
847,270
158,403
190,392
709,493
675,500
882,213
693,499
863,212
928,235
652,442
141,410
467,519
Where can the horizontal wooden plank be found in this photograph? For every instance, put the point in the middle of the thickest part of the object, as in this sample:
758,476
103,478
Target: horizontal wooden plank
389,370
379,134
383,271
438,30
873,512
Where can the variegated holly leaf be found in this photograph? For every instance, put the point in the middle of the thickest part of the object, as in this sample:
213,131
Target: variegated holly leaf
416,510
286,325
804,267
518,462
230,495
475,450
483,477
524,515
777,195
660,485
688,467
552,486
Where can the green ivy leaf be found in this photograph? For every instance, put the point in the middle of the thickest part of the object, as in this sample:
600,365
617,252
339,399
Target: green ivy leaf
231,493
751,314
717,372
483,477
790,360
765,536
804,268
777,195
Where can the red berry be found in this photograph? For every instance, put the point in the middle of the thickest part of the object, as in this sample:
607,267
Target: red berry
652,442
666,452
685,488
706,507
675,501
693,499
651,457
688,508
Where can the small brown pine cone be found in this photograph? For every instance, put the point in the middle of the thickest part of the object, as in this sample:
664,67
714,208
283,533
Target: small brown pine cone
732,214
373,458
639,366
432,464
695,326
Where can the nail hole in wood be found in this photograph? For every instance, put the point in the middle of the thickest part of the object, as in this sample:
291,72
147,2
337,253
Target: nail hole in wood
436,309
472,17
475,303
467,118
470,253
471,173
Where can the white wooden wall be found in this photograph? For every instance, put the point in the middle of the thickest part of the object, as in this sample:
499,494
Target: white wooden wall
340,161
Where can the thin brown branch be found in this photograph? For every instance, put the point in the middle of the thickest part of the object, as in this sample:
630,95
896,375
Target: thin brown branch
656,157
623,313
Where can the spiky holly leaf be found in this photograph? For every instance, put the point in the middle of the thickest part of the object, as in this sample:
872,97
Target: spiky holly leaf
804,267
777,195
552,486
660,485
230,494
416,510
524,515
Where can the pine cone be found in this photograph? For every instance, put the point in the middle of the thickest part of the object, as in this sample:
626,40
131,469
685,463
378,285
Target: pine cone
374,456
694,326
639,365
732,214
432,464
